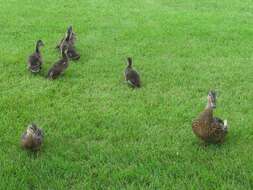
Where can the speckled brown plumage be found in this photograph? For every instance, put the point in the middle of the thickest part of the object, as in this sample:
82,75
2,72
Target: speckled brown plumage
72,53
32,139
208,128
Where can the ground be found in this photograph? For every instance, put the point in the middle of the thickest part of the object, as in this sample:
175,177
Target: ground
101,134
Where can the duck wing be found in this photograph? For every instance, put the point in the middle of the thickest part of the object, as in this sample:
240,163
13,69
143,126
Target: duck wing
39,132
57,69
72,53
37,142
217,131
202,124
26,141
133,78
218,120
35,62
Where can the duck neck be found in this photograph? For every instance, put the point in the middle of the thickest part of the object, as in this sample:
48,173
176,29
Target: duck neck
209,105
129,60
37,49
68,36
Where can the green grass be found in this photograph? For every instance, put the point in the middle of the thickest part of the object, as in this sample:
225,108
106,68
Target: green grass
101,134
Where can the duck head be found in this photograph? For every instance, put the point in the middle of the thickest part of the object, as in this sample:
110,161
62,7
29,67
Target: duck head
39,44
70,29
69,33
211,99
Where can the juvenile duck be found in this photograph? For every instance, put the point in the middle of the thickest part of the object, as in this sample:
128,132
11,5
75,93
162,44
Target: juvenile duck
208,128
33,138
60,66
69,41
35,60
71,35
131,76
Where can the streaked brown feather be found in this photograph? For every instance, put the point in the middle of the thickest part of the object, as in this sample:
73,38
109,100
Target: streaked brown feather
208,128
32,142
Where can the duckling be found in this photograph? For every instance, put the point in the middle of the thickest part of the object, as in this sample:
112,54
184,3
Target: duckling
72,38
208,128
60,66
132,76
33,138
35,60
69,41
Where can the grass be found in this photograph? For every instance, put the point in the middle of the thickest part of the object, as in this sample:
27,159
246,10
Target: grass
101,134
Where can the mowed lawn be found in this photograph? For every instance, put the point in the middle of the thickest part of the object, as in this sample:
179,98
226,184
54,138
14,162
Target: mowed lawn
101,134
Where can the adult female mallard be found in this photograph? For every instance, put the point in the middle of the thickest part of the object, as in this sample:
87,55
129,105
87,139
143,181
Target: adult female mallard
208,128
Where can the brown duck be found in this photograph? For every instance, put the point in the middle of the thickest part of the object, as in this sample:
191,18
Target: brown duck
72,53
35,62
60,66
32,139
208,128
72,38
132,76
69,41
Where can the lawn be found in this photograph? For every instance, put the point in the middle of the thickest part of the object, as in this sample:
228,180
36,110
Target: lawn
101,134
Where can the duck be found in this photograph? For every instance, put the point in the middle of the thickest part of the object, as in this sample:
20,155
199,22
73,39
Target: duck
207,127
60,66
69,40
35,62
72,38
32,138
131,76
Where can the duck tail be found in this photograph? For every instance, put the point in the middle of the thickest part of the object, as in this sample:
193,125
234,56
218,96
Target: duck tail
226,123
130,83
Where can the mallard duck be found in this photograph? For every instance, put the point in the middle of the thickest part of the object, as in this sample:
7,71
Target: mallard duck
69,41
33,138
208,128
132,76
35,60
71,35
60,66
